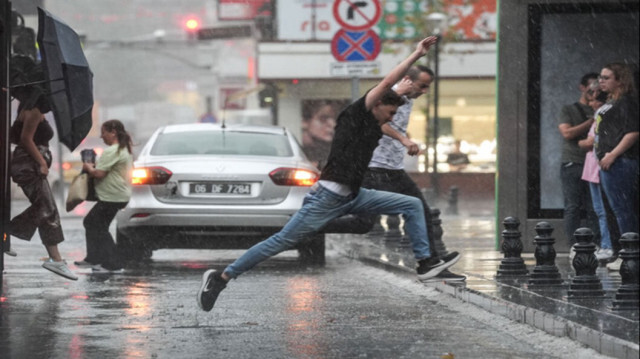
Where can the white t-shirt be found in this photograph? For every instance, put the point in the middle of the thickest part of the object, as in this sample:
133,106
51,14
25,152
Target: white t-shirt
390,152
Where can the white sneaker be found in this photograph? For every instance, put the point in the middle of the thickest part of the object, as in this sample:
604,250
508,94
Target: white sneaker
615,265
59,268
604,254
99,269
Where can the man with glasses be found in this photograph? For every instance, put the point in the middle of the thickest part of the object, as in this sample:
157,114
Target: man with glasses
574,123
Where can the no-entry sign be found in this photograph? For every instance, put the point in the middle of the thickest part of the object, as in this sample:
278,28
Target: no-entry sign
357,15
355,45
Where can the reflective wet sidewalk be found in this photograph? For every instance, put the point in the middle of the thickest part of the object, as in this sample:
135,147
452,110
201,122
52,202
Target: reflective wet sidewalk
472,232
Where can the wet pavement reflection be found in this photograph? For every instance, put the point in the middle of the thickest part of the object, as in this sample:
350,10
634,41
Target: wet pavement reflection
281,309
474,238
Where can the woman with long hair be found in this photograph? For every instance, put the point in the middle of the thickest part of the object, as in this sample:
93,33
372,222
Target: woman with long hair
112,182
616,144
30,164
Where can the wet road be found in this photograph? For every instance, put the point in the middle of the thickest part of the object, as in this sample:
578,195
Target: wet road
279,310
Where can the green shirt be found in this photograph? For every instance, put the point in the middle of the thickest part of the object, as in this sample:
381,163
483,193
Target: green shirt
570,115
116,185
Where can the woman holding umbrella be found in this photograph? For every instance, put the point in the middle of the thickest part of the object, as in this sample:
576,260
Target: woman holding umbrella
30,164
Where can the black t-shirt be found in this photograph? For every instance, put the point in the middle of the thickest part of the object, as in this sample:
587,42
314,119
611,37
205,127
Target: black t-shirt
614,121
318,152
42,136
356,136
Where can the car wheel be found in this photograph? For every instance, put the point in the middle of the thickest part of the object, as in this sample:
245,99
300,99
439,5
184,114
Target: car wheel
313,251
132,251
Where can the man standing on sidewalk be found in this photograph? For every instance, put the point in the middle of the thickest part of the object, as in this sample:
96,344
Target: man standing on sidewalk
386,168
338,192
574,123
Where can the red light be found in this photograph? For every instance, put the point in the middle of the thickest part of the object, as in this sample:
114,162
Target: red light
192,24
293,177
66,166
294,81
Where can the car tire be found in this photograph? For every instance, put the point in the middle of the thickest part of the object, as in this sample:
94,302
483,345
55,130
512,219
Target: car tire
313,251
131,251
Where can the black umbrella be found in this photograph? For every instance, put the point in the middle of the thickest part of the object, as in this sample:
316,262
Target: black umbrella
69,80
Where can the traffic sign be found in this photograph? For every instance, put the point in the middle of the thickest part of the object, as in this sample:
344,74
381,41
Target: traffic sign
357,15
355,45
350,69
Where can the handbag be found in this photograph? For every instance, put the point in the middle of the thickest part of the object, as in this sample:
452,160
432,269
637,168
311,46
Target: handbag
80,190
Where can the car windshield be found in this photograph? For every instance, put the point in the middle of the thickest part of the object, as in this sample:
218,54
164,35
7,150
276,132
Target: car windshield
221,143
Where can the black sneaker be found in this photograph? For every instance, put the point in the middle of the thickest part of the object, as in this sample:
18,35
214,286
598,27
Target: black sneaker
446,276
451,256
431,267
212,285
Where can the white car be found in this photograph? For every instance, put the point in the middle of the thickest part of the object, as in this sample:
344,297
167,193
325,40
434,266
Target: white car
208,186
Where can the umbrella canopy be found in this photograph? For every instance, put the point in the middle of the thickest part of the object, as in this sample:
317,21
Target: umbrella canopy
68,78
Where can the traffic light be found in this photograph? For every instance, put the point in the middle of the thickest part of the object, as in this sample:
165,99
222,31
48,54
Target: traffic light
191,25
24,42
268,95
23,38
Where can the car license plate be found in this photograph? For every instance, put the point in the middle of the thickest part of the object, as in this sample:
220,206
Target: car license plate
220,188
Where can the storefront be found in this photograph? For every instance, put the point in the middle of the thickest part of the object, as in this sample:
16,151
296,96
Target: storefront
467,112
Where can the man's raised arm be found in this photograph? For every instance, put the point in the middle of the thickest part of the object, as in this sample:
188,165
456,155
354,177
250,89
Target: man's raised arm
398,72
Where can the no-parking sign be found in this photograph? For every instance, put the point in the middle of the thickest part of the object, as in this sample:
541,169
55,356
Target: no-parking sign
355,45
357,15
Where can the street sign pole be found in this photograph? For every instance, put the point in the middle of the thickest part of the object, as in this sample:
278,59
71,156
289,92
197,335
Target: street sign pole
355,88
5,188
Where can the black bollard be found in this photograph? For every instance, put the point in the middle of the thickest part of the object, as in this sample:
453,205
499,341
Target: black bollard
453,200
627,295
585,284
405,241
377,230
512,264
545,273
393,233
437,232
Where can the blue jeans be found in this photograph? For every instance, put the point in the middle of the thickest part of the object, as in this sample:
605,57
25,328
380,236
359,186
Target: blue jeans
598,207
321,206
396,181
576,202
620,184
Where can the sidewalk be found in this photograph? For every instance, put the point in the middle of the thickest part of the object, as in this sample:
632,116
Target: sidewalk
472,232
